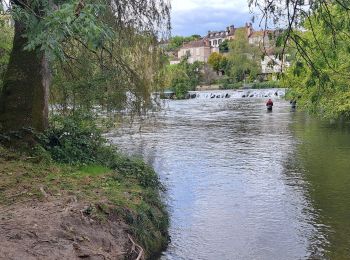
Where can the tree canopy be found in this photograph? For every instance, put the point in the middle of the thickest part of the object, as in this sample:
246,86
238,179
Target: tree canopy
184,77
217,61
177,41
320,76
243,58
103,47
317,31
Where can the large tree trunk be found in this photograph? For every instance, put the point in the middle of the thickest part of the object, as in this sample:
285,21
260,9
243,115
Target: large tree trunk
24,98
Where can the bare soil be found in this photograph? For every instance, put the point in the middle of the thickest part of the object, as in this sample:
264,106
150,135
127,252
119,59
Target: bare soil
61,228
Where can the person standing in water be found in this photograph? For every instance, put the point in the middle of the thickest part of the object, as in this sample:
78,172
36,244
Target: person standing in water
293,104
269,104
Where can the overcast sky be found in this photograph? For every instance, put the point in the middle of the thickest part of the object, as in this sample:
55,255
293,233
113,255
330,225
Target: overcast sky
198,16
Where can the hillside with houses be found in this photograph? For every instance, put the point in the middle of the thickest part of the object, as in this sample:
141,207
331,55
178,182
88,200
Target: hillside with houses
218,56
201,49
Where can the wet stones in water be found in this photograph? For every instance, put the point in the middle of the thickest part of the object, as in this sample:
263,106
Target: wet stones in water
227,96
243,96
193,95
212,96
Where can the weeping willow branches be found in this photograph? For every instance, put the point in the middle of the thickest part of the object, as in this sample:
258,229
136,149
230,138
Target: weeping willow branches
102,52
298,16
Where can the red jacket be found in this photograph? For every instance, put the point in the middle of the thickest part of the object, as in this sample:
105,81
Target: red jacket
269,103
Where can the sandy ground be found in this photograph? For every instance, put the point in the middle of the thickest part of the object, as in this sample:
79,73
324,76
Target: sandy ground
60,229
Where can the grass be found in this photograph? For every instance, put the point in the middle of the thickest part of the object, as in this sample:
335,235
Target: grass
124,190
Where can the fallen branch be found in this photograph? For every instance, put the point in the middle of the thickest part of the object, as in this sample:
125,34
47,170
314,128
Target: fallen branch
141,253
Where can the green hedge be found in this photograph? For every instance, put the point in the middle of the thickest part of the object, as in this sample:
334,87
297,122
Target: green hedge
236,85
266,84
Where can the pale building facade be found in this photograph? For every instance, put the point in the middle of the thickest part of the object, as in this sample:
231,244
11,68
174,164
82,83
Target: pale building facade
271,64
200,50
217,37
195,51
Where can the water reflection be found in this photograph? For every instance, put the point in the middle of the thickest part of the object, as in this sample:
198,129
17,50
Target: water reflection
324,153
246,184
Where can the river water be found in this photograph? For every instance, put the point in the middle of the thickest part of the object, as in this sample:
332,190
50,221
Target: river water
246,184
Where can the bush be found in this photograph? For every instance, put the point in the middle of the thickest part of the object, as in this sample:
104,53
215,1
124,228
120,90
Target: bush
236,85
75,140
266,84
136,168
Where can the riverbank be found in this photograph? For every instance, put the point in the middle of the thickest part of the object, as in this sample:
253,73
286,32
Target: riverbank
52,210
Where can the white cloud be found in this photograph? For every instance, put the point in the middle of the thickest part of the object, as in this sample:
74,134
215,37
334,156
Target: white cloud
199,16
188,5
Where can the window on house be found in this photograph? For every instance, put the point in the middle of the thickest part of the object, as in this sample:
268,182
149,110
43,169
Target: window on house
215,42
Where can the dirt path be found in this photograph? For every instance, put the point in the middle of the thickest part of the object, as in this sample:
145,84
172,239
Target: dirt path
59,229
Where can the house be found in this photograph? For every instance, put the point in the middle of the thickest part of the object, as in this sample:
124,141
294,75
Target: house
217,37
200,50
195,51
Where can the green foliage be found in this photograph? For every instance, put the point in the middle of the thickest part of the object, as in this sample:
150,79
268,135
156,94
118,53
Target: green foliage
58,26
184,77
320,72
6,36
75,139
177,41
236,85
224,46
136,168
243,58
217,61
265,85
97,56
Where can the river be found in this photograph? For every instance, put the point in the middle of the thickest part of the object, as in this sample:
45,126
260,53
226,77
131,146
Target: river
246,184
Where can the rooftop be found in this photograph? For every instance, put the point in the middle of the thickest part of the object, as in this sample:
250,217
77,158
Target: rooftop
195,44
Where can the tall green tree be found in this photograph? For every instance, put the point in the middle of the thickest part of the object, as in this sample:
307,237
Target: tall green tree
243,58
321,82
215,60
48,30
317,31
224,46
184,77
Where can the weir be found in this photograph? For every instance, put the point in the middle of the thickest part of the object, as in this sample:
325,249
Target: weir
241,93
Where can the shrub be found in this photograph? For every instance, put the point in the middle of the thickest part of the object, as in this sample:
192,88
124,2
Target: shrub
236,85
75,139
266,84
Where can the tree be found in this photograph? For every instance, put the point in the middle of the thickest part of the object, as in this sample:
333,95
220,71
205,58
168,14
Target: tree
243,58
224,46
176,42
215,61
317,32
322,88
46,30
184,77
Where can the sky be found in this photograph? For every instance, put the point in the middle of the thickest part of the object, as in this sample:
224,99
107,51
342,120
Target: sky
198,16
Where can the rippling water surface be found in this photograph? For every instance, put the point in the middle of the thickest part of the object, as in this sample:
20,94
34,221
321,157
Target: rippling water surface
246,184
